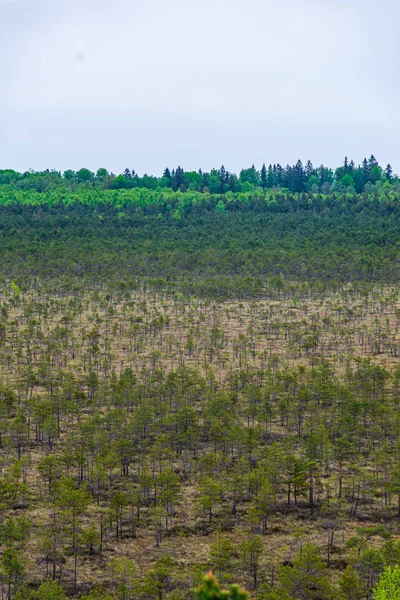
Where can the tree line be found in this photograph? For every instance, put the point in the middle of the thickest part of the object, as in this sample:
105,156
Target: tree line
295,178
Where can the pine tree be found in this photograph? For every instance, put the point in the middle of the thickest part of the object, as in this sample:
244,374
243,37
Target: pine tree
12,570
49,590
250,551
221,555
350,586
307,577
211,590
73,502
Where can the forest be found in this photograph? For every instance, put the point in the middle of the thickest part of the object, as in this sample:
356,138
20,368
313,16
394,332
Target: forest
295,178
200,384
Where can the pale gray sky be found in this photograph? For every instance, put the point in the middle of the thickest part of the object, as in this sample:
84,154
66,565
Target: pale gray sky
149,83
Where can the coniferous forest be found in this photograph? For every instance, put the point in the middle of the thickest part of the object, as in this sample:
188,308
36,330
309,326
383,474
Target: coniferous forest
199,372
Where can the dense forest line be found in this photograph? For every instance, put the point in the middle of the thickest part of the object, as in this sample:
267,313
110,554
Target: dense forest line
295,178
226,245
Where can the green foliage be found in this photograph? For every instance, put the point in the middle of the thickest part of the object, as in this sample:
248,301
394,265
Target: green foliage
251,551
12,569
239,242
97,594
158,580
388,586
221,556
391,552
267,592
15,289
211,590
350,586
123,571
49,590
307,577
15,531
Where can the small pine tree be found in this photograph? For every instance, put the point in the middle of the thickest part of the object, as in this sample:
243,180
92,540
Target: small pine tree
220,556
350,586
307,578
250,552
50,590
211,590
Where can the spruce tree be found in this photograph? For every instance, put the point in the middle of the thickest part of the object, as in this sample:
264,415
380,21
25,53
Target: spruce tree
264,181
389,172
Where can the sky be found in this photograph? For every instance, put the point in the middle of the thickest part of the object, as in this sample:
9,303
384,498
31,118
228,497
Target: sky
154,83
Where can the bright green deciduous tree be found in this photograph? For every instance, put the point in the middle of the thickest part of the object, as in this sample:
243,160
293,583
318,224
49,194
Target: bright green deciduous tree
15,289
388,586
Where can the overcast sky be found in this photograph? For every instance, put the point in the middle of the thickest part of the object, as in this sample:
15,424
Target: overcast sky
149,83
